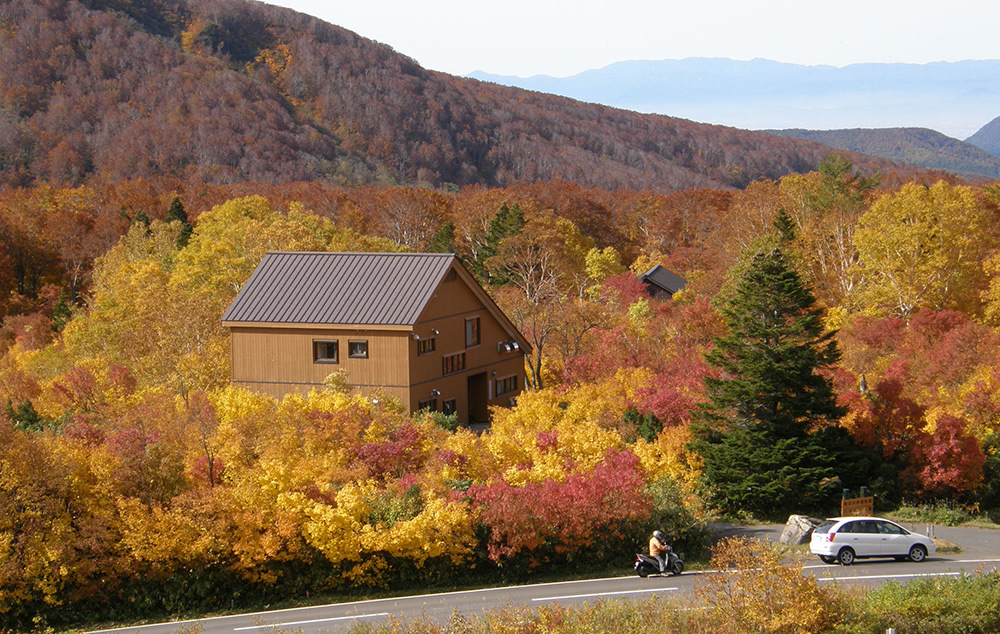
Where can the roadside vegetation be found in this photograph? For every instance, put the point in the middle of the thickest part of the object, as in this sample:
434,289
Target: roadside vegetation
760,593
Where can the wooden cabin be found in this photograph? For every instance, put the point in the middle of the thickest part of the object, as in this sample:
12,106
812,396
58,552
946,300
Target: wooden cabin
661,283
414,325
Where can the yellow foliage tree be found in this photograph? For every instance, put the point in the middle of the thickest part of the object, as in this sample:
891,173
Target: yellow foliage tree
922,246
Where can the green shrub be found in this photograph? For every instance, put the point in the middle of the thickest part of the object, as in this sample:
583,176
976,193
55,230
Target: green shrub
964,604
945,513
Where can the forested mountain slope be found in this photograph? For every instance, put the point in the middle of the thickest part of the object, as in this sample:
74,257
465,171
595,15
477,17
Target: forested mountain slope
225,91
917,146
987,137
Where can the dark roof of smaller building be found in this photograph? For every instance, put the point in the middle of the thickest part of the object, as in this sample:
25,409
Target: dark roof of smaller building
384,289
663,278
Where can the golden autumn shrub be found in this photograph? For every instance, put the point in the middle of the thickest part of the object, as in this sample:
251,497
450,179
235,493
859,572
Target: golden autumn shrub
756,591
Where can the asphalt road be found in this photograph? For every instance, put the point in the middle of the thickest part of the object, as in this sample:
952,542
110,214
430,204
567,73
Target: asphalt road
980,550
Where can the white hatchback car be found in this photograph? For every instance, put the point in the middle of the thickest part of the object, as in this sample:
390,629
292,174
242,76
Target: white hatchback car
844,539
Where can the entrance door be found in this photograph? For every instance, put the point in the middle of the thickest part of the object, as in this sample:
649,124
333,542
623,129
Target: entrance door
478,398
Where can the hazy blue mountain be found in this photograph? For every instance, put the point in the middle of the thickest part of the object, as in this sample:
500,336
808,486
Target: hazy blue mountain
917,146
988,137
953,98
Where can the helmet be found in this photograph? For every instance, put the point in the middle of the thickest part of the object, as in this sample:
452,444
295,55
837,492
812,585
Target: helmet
657,534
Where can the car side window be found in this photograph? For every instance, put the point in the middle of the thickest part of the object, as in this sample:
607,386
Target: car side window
889,529
849,527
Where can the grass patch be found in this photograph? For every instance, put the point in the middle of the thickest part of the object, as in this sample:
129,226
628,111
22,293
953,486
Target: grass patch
943,513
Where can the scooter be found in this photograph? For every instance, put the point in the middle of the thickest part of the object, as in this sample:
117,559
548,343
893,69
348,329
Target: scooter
646,565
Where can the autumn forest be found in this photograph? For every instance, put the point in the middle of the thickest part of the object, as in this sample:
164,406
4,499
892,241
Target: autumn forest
152,151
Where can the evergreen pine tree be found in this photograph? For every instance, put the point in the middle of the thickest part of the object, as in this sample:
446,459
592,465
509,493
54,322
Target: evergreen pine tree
754,437
24,417
786,228
178,213
61,313
507,222
771,356
444,239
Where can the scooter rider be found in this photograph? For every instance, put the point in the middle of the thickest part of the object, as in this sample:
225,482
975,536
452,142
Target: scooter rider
657,548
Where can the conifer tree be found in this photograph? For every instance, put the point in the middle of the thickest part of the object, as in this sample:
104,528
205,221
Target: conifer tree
508,221
771,357
178,213
755,433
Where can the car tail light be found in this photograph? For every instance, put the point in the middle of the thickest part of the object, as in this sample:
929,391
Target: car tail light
829,536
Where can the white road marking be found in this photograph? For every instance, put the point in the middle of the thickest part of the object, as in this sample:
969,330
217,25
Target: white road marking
604,594
338,618
921,574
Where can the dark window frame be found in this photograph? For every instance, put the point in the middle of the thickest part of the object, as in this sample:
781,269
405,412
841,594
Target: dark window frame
474,336
321,345
426,346
350,351
452,363
505,385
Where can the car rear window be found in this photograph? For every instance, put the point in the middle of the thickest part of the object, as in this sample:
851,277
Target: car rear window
824,527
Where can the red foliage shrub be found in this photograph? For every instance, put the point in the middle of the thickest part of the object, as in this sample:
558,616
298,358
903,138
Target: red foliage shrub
567,515
32,331
396,456
675,393
200,472
950,460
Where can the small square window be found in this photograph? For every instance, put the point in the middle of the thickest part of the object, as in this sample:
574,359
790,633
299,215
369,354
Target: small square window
430,404
449,407
325,352
357,349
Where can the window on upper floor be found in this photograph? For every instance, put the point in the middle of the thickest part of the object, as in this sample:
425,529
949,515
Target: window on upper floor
425,346
325,351
357,348
453,363
472,332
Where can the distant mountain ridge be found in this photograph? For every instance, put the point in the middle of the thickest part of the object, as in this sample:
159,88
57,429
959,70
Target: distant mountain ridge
917,146
230,91
955,98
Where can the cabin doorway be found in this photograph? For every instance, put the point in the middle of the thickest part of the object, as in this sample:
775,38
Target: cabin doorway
478,399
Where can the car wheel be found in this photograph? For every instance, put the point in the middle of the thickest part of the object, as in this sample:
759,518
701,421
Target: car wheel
918,553
845,556
827,559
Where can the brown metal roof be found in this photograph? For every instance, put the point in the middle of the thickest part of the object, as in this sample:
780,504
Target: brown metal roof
385,289
663,278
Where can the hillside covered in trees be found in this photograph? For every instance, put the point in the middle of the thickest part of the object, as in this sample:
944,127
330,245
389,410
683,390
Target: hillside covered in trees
915,146
226,91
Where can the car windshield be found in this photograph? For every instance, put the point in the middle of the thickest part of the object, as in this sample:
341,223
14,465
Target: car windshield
824,527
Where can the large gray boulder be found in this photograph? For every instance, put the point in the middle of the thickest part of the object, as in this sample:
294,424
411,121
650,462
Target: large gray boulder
798,529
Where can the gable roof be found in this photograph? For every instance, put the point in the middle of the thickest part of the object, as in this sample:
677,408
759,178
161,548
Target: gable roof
378,289
664,279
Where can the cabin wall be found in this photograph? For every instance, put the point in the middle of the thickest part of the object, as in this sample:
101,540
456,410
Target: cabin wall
276,361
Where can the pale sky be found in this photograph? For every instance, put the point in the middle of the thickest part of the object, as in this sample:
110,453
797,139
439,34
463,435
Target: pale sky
565,37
